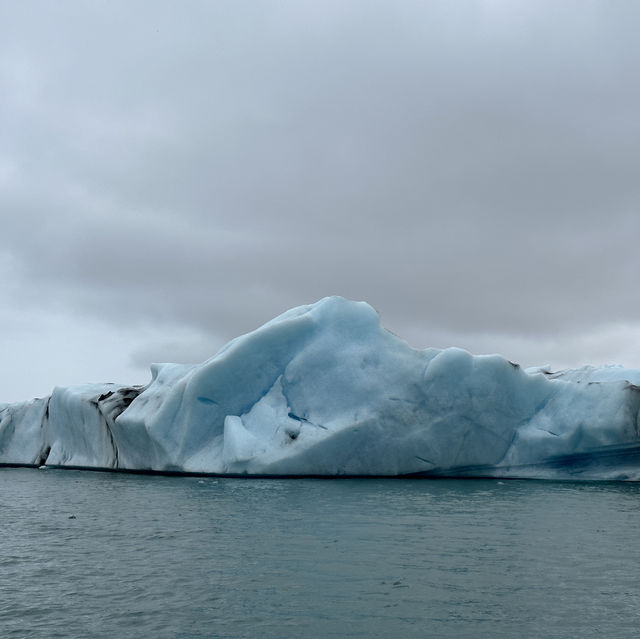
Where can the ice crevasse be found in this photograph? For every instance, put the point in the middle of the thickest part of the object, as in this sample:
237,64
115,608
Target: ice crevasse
324,390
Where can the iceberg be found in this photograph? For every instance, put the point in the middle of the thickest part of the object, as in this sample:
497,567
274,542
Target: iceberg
324,390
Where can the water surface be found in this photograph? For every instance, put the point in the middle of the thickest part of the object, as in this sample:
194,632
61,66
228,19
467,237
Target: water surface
86,554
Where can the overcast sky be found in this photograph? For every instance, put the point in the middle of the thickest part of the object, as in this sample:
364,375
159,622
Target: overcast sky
173,174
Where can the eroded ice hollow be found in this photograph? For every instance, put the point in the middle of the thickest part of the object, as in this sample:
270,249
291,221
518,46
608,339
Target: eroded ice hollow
325,390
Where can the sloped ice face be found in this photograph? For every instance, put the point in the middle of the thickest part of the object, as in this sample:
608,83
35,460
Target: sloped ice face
324,390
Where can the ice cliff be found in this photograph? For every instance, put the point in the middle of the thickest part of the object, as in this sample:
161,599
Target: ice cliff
325,390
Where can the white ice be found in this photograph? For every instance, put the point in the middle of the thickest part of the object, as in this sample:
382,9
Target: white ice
325,390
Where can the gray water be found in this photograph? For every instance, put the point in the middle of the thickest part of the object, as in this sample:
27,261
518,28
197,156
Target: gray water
112,555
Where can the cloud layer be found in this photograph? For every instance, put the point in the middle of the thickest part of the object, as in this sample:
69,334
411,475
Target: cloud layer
171,177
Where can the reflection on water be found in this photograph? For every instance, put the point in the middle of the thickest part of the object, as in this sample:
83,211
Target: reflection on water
101,555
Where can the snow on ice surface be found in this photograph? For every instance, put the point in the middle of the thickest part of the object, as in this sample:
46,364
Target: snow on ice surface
325,390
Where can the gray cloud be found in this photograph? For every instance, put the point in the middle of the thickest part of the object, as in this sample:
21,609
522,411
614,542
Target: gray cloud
470,170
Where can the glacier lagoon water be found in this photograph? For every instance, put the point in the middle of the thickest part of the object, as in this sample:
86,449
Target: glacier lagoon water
90,554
